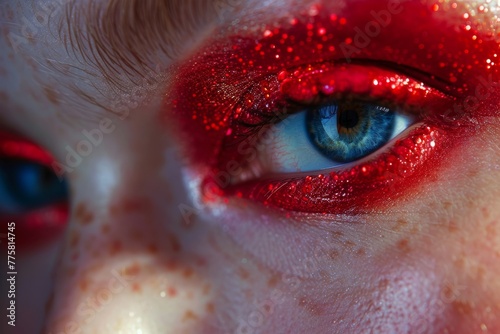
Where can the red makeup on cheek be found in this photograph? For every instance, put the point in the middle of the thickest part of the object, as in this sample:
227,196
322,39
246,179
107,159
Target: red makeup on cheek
244,77
39,226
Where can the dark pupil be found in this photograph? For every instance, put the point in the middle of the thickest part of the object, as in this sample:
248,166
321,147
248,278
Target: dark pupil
347,119
347,131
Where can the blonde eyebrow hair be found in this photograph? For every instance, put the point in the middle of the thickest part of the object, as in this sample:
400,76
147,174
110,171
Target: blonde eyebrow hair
127,37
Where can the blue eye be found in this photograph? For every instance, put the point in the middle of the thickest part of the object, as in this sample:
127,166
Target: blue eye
329,136
346,132
26,186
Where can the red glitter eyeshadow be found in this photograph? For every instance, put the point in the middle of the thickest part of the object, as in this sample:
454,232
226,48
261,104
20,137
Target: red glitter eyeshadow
37,227
241,79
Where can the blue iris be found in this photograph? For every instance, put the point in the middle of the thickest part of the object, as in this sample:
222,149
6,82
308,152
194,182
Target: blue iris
348,131
25,186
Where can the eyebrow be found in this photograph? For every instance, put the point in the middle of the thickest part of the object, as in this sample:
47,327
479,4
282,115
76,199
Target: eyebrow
120,41
126,37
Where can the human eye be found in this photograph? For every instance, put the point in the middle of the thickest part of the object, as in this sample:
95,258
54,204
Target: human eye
291,122
353,130
31,194
348,115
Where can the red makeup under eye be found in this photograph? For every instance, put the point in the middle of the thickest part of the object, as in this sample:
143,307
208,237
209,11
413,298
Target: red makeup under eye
231,93
31,194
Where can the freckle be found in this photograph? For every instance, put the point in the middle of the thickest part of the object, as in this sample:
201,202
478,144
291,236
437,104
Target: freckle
130,205
135,205
189,315
383,283
174,242
452,227
136,287
349,244
333,254
172,292
210,308
152,248
132,270
399,225
337,235
460,307
94,268
74,239
243,273
83,215
83,285
404,246
361,252
273,281
448,293
206,289
303,302
447,205
188,272
115,247
472,173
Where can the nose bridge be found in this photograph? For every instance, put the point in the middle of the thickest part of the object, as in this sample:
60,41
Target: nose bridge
126,258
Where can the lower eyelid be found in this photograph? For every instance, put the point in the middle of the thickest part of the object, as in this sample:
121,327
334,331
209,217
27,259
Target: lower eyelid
402,167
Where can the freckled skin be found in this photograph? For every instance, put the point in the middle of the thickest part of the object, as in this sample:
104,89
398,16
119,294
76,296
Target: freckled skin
129,260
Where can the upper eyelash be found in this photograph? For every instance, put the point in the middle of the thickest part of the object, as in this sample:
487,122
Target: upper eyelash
433,81
270,117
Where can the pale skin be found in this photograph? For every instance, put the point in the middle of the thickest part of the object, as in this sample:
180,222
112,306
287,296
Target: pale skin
130,262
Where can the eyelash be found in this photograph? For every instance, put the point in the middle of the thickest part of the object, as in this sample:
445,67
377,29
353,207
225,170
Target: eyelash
258,115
